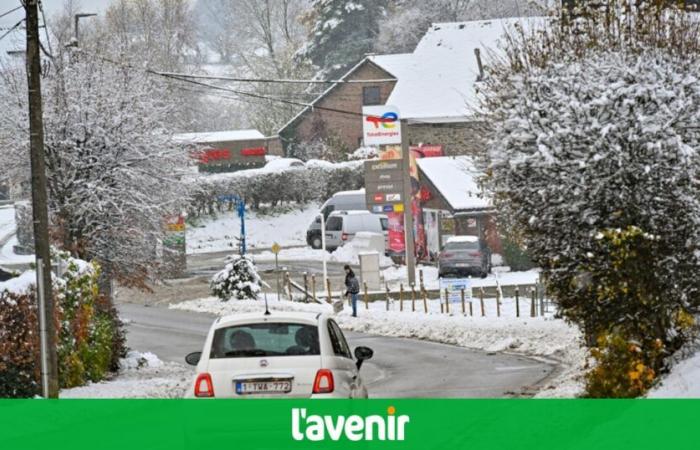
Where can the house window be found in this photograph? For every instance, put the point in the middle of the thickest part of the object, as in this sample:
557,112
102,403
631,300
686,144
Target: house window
370,96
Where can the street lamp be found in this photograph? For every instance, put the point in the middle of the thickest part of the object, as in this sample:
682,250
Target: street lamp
323,247
77,19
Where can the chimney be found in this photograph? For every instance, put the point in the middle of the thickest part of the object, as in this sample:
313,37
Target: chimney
477,52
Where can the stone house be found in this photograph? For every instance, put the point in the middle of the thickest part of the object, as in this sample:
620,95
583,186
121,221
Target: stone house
434,88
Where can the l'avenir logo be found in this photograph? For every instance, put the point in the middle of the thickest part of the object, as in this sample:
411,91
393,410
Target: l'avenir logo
313,427
386,120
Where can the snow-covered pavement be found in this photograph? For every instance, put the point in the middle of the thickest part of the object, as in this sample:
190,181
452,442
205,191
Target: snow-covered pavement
142,375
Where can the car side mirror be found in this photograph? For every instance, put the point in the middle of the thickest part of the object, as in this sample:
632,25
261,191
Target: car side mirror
362,354
193,358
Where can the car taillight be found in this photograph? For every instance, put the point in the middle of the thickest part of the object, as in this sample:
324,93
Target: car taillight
344,236
475,253
323,384
203,387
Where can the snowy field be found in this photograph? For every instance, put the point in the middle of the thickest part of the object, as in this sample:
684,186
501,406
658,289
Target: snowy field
142,375
544,337
220,234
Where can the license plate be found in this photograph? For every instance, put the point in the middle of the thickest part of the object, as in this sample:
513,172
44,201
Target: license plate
263,387
462,265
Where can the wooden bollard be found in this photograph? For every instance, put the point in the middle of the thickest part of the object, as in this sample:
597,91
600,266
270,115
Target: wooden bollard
306,287
329,299
481,299
401,297
420,277
413,297
366,296
463,305
471,311
313,287
425,301
442,308
289,285
498,303
517,302
387,297
532,303
447,301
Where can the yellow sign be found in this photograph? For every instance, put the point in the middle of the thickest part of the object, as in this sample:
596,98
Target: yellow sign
276,248
398,207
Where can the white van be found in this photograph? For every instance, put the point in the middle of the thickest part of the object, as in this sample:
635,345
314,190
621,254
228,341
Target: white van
342,226
340,201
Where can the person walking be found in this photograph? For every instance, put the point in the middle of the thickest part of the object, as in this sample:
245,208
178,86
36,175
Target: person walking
352,286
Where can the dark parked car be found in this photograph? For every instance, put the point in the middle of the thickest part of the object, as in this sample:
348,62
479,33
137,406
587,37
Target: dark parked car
464,256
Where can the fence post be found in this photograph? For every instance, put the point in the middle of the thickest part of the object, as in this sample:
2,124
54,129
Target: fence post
387,296
540,293
328,289
471,311
425,301
462,294
313,286
413,297
498,303
517,302
420,277
306,287
481,299
366,296
447,301
289,285
401,297
532,302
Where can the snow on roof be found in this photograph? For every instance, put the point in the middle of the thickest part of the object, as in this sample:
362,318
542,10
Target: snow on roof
456,180
20,285
218,136
437,81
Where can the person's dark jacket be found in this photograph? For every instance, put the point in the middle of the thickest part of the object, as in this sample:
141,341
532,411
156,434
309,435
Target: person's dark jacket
352,284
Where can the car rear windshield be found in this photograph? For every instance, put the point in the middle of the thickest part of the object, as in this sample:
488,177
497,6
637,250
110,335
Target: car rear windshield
265,339
462,245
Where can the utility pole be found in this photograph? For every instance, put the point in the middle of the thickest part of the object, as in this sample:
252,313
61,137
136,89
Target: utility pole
407,207
49,366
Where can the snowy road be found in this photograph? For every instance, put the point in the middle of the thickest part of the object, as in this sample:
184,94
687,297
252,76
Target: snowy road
400,367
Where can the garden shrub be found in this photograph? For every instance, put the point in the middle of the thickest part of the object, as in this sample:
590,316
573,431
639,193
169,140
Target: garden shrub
239,279
90,338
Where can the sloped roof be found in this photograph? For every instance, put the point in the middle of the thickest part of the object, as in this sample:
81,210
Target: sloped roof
437,82
455,178
218,136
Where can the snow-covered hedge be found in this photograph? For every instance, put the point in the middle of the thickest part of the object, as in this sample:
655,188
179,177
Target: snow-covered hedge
89,338
315,182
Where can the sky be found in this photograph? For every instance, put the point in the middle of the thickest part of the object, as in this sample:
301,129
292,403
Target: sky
15,40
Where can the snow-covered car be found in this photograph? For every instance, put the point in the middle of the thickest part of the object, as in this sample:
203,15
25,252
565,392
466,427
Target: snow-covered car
464,256
281,354
284,163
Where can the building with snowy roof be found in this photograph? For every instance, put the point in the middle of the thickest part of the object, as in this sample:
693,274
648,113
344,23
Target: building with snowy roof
434,87
226,151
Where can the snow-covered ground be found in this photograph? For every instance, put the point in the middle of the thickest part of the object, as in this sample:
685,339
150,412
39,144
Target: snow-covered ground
682,382
7,228
7,221
142,375
399,274
220,234
544,337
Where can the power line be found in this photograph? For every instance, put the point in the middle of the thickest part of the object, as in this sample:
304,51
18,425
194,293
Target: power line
11,29
273,80
11,11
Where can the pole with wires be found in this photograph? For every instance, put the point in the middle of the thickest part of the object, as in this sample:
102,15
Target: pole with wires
49,369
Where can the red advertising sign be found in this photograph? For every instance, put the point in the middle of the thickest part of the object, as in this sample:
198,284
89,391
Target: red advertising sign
214,154
255,151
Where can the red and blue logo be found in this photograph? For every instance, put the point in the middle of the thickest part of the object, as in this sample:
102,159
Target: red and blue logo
387,120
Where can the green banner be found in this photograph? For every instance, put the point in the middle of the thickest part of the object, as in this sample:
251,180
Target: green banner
362,424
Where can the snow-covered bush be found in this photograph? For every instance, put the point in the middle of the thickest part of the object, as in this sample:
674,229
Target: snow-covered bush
239,280
316,182
90,339
594,156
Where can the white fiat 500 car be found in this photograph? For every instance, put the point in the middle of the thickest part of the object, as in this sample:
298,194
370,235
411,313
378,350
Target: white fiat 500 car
282,354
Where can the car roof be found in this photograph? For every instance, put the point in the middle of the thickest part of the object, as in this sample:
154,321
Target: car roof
310,318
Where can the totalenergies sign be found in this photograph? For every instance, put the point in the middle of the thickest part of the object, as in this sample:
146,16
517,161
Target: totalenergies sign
381,125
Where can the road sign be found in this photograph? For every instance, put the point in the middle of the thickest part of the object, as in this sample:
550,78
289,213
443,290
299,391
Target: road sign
276,248
384,185
380,125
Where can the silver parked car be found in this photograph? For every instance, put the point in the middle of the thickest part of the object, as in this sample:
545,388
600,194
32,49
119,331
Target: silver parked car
464,256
